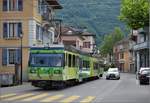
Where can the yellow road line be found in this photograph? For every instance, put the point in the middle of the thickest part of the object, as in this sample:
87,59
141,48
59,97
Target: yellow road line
35,97
70,99
88,99
7,95
19,97
52,98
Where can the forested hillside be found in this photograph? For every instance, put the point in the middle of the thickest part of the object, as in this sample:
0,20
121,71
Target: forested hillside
98,16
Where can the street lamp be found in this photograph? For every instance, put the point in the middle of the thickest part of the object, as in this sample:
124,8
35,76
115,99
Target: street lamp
21,36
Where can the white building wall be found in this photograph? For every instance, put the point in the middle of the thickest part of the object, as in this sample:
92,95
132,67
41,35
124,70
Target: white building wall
92,44
48,36
32,32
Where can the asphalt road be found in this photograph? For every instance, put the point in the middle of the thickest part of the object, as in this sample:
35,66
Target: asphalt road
125,90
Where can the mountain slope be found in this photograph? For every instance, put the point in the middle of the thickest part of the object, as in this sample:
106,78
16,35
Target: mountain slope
98,16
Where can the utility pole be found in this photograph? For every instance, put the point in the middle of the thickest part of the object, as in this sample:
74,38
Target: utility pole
21,67
60,25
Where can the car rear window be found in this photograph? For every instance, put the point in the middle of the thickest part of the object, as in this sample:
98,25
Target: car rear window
147,70
113,70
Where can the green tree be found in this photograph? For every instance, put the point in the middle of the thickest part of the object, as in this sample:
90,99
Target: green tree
135,13
106,46
110,40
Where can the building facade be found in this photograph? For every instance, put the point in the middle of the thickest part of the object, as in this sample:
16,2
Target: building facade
71,37
80,39
142,48
23,21
89,44
124,56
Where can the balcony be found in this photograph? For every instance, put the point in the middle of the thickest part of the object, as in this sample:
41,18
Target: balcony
46,19
122,60
140,46
46,16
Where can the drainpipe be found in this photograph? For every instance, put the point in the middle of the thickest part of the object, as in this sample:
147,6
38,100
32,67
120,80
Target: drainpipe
149,39
138,60
149,44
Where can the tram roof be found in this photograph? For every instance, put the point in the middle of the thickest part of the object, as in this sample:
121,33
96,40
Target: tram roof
61,47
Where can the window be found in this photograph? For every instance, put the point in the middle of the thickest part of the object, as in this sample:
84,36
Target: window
51,60
12,5
12,30
11,56
86,65
20,5
5,5
50,37
73,61
38,32
145,38
66,59
69,60
39,7
96,66
86,45
77,61
121,55
80,63
42,8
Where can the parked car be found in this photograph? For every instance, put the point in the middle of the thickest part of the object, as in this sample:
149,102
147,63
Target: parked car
144,75
139,71
113,73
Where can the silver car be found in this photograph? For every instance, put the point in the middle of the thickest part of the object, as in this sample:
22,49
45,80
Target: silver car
113,73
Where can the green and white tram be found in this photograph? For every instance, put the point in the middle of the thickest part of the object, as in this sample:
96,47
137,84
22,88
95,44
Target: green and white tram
59,65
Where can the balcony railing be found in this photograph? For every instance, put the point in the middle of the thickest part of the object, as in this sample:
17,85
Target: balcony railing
46,16
140,46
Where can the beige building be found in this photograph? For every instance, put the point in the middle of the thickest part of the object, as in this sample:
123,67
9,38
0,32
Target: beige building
71,37
89,42
124,55
82,40
26,19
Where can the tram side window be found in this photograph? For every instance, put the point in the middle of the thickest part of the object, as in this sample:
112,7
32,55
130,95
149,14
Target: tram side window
73,61
66,59
69,60
86,64
77,61
95,66
80,63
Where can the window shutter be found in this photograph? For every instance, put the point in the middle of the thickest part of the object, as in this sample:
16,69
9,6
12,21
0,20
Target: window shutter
5,30
19,29
4,57
37,32
20,5
5,5
18,56
41,33
39,6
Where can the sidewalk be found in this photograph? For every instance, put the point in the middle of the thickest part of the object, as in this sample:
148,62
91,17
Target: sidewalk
9,86
25,84
24,87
